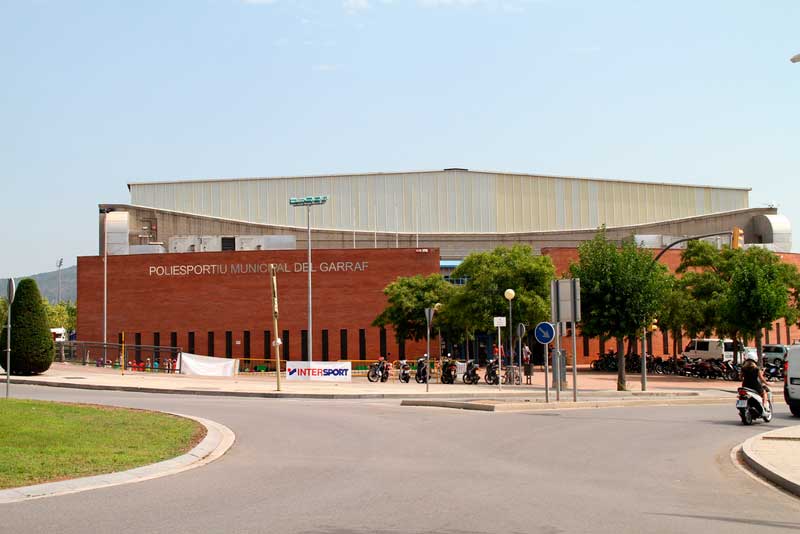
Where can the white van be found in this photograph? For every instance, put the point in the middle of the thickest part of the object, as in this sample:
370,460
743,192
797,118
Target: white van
709,349
791,384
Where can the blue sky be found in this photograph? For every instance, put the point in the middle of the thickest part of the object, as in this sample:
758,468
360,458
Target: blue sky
97,94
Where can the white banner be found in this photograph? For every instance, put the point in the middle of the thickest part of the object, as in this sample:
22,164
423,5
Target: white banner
193,364
319,371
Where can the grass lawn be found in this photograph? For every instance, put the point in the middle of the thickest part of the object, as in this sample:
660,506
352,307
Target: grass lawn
48,441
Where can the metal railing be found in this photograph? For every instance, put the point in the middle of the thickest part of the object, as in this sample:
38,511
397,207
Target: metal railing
148,358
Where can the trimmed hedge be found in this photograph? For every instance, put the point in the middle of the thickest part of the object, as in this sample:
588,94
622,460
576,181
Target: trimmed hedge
32,348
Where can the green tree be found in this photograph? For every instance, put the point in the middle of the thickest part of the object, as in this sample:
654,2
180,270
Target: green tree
32,348
489,274
61,315
3,311
757,294
407,299
622,291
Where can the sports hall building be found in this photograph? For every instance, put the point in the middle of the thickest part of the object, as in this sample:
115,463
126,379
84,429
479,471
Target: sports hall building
187,258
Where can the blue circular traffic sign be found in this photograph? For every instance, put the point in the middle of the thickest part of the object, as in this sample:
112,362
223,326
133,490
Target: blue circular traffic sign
544,333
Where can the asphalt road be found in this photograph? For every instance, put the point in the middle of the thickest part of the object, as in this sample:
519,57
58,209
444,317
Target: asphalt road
359,467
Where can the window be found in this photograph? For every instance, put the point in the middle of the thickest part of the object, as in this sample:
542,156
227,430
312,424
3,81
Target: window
211,343
137,340
325,345
228,243
585,345
267,344
766,335
191,343
362,343
383,342
246,344
401,349
343,343
778,333
304,344
665,336
228,344
173,339
157,343
285,345
701,346
602,345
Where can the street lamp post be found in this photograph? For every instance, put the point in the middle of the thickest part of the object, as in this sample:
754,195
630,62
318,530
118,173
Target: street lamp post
59,263
307,202
509,294
429,313
105,212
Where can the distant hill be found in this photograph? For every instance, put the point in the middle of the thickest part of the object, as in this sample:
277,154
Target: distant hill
48,284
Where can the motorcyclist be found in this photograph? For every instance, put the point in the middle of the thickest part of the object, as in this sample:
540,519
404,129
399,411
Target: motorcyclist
753,377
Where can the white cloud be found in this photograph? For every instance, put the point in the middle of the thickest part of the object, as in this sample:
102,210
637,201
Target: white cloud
354,6
449,3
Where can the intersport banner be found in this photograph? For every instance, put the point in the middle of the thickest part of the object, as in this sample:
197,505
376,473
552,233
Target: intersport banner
319,371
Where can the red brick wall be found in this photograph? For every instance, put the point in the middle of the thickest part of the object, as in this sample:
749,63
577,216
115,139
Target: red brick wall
141,299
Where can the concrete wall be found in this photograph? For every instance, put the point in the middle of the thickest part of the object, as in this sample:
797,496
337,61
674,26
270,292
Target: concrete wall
452,246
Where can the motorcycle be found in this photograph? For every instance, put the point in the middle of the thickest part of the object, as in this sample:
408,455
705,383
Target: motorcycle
405,372
448,372
422,370
491,376
751,406
773,372
471,374
378,371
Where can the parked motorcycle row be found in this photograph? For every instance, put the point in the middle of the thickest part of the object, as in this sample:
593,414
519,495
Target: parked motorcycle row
380,371
697,368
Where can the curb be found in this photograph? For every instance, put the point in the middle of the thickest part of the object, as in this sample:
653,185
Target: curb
219,438
569,405
343,396
765,468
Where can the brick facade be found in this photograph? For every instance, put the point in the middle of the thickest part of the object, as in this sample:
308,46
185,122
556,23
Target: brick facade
224,292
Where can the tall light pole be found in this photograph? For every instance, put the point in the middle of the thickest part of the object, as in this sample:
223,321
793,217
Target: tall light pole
59,263
105,212
429,313
509,294
11,290
307,202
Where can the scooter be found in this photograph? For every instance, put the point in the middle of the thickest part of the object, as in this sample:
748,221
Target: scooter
491,376
471,375
378,371
422,370
751,406
449,372
405,372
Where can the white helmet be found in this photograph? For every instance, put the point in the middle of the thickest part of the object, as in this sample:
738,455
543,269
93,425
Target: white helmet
751,356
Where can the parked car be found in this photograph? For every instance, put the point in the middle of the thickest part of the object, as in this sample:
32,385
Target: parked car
709,349
791,384
774,353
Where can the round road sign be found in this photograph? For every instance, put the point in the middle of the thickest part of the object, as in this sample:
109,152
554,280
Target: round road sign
544,333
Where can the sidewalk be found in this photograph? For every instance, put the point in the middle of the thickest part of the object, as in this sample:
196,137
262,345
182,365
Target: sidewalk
776,456
590,383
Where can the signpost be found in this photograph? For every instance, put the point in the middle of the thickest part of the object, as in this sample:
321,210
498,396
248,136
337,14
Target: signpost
544,334
565,305
11,289
499,322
